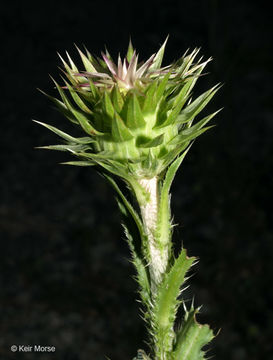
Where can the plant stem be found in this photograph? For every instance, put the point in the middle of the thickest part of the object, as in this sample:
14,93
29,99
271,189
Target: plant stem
158,257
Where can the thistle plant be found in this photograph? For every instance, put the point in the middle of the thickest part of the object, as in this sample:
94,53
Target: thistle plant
139,121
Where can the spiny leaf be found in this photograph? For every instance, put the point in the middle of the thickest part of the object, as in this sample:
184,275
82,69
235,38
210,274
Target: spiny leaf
199,125
166,303
196,71
85,124
178,103
182,96
197,105
109,165
86,62
81,104
187,61
162,86
159,56
150,162
120,132
108,106
100,156
144,143
61,107
129,207
133,113
82,119
85,140
149,102
71,148
117,99
130,51
163,228
185,138
91,58
191,338
70,71
130,214
80,140
168,158
142,272
79,163
72,65
94,89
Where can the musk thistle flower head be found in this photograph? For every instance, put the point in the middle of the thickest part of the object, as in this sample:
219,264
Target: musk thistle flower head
138,117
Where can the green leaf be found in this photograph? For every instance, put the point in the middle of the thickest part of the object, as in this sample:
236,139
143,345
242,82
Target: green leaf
70,69
171,117
120,132
81,104
187,61
86,62
81,140
141,194
72,65
185,138
143,142
130,51
163,228
91,58
129,207
196,71
79,163
150,163
85,124
191,338
111,167
71,148
85,140
159,56
197,105
100,156
178,103
142,271
166,304
132,113
168,158
199,125
117,99
150,100
94,89
162,86
81,117
182,96
108,106
61,107
129,215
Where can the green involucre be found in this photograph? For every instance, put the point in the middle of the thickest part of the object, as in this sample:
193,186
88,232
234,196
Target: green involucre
132,112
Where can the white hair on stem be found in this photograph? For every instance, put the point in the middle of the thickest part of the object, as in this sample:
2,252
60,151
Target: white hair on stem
149,211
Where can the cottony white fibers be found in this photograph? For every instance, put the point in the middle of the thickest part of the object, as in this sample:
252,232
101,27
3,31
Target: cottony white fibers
149,212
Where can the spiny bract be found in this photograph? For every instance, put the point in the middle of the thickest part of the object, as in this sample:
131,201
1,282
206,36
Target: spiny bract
138,116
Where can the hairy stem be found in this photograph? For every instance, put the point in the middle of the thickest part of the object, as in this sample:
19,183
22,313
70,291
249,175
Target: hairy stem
158,257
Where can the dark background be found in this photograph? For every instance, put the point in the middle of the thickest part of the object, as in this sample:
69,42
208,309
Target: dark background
65,277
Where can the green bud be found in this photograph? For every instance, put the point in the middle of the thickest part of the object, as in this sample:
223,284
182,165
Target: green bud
139,117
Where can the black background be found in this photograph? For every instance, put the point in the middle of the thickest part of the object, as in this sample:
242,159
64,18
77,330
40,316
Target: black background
65,278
